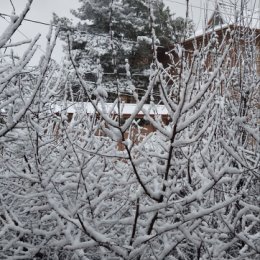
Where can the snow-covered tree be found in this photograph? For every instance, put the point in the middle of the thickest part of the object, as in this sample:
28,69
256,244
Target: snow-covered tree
93,186
26,137
122,29
130,18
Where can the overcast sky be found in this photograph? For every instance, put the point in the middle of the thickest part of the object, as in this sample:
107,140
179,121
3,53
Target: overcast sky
42,10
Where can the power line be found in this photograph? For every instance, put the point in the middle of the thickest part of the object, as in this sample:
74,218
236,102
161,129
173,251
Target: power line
24,35
130,41
213,10
61,27
17,30
224,3
29,20
3,15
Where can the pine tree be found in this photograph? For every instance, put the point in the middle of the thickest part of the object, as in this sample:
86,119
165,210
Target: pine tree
130,18
121,28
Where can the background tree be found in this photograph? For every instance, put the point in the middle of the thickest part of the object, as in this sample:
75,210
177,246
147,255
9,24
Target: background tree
130,18
127,25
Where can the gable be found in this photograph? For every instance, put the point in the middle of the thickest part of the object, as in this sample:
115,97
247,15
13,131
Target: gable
227,12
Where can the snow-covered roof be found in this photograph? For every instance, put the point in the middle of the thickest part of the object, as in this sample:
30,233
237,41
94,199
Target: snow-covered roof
226,15
111,108
237,13
202,32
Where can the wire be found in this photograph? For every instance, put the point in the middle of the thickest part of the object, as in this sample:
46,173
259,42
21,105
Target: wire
57,26
12,5
107,36
173,1
29,20
228,4
24,35
124,92
213,10
3,15
17,30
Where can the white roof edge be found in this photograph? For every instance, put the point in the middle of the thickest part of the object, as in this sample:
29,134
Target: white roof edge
203,32
126,108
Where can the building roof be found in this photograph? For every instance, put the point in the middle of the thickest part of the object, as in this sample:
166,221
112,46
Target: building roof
227,15
108,108
235,14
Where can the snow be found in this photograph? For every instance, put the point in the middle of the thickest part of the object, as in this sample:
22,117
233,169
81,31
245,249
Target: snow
88,108
96,189
249,19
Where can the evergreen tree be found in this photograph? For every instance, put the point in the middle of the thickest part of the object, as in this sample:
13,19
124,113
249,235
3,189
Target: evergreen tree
130,18
121,28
